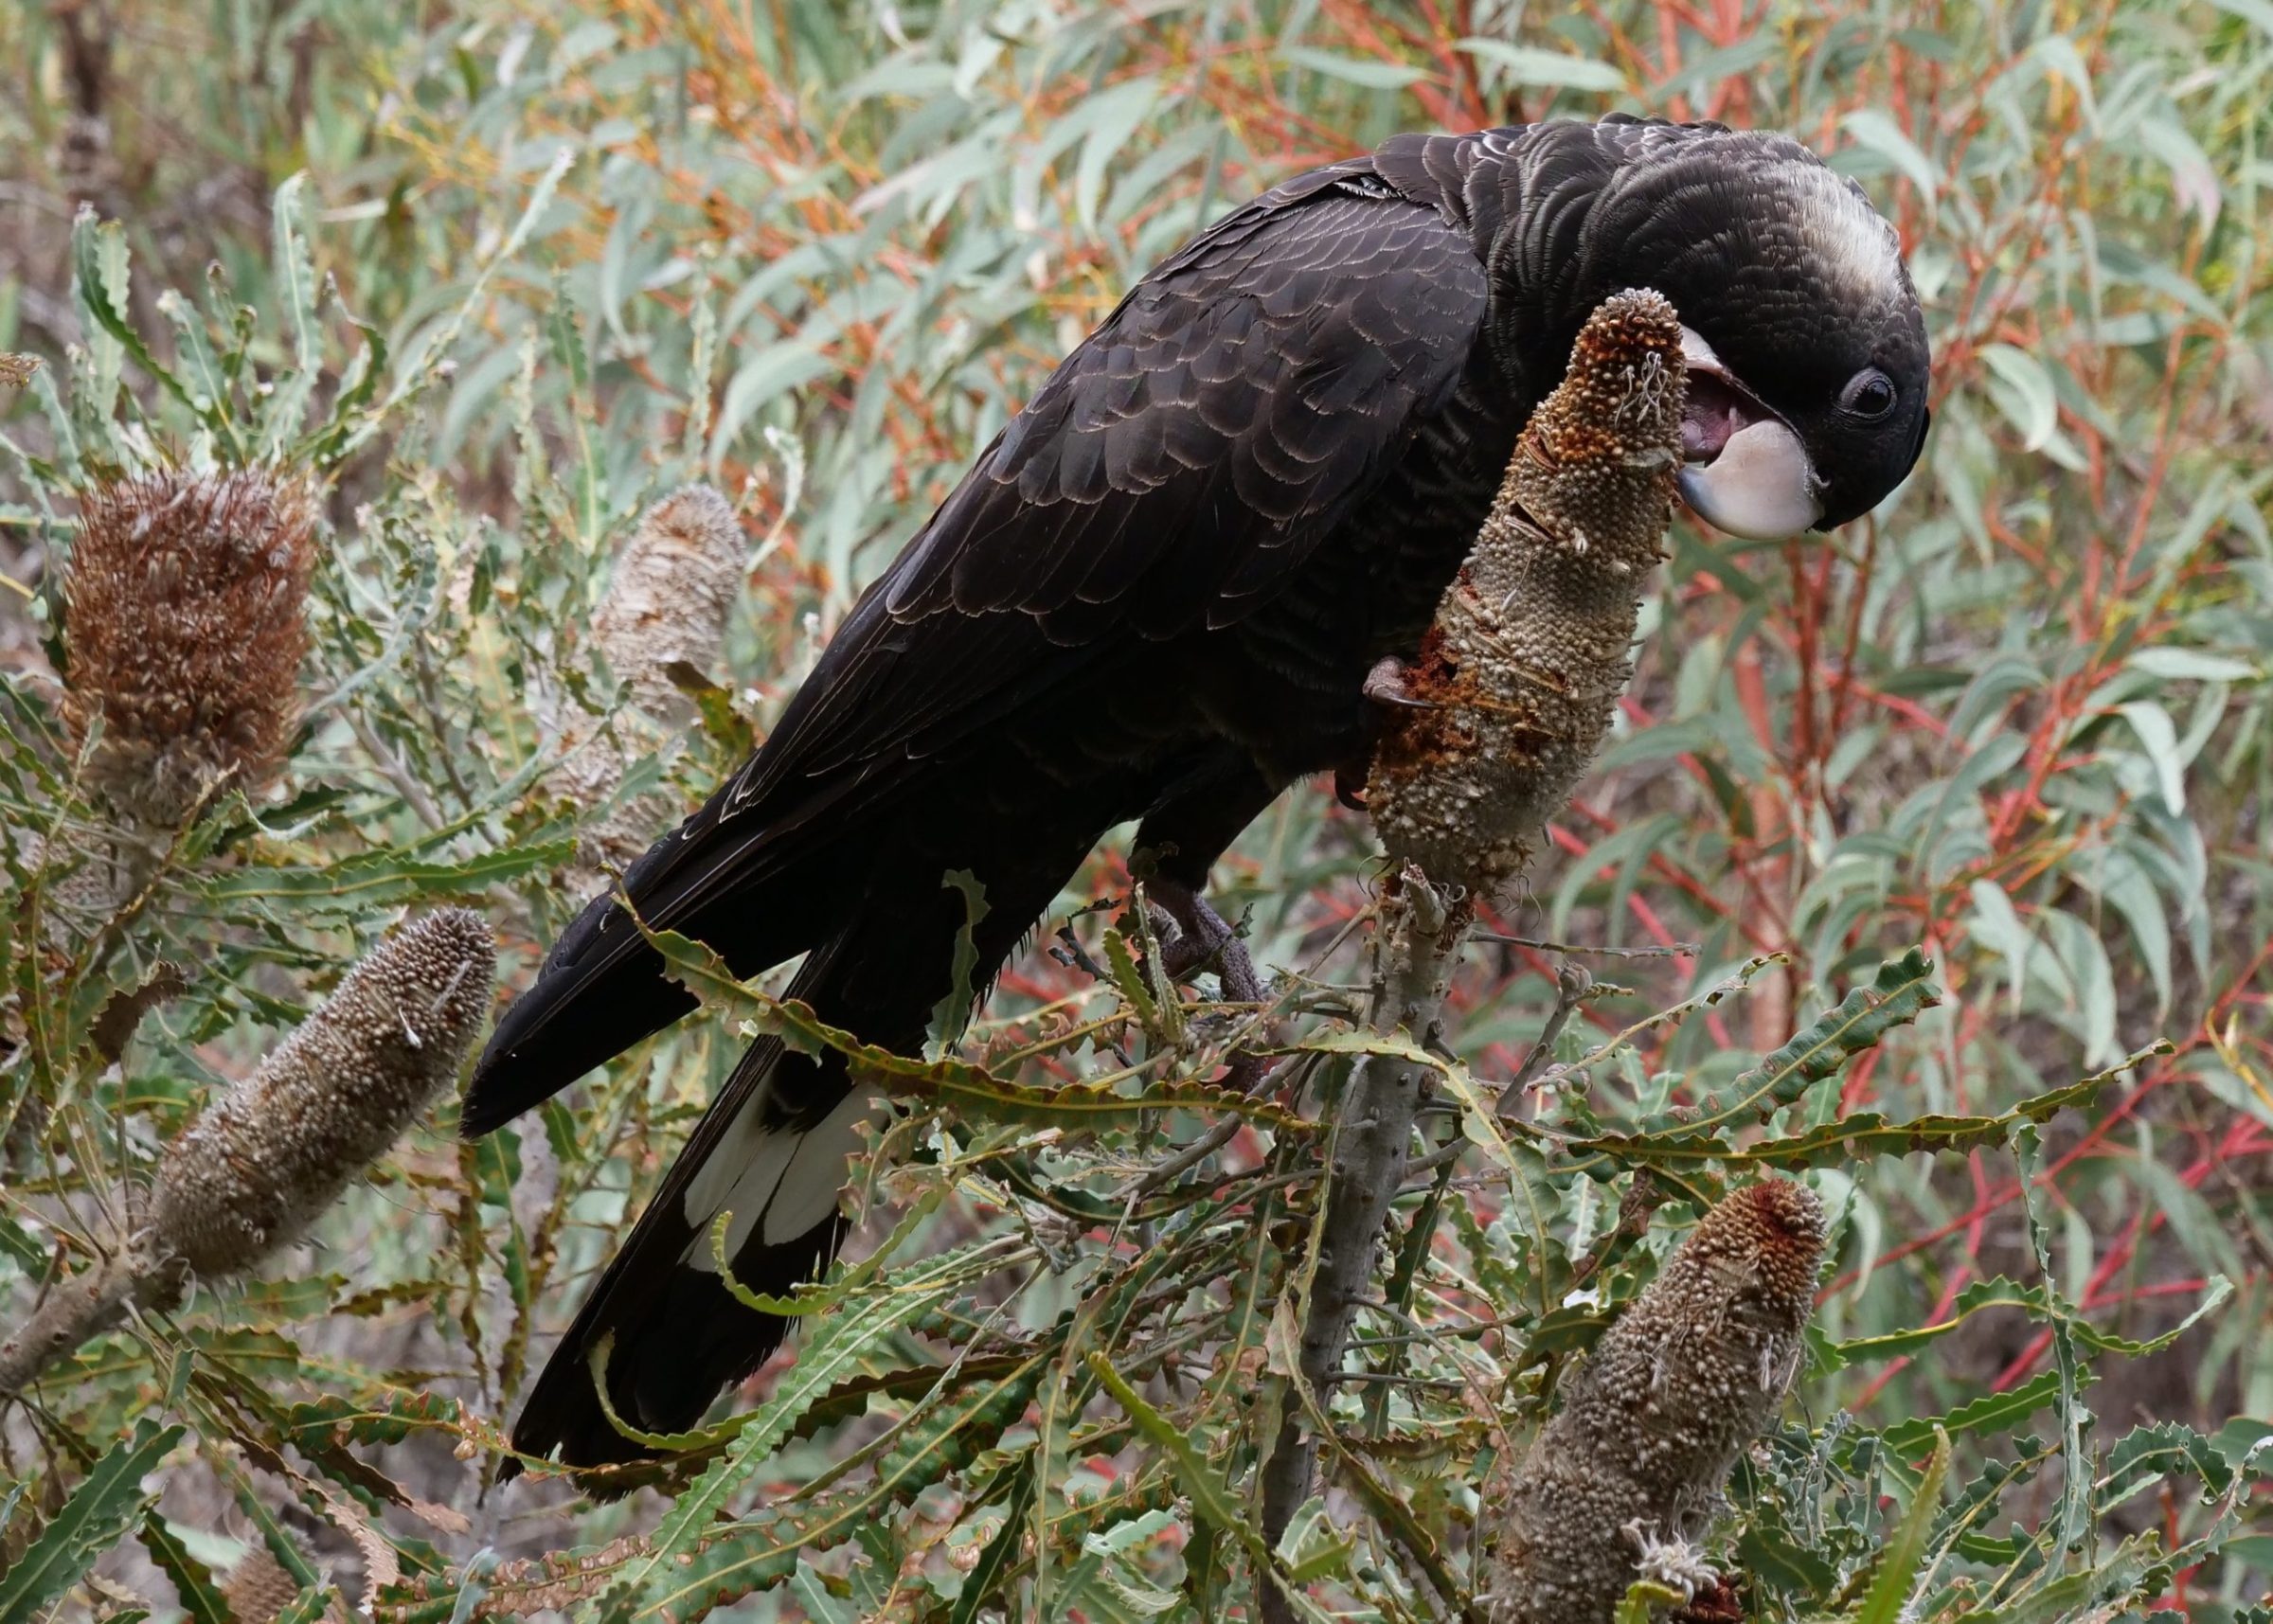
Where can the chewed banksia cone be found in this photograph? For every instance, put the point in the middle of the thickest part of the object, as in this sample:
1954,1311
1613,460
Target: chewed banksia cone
666,605
1488,732
184,630
261,1163
1689,1376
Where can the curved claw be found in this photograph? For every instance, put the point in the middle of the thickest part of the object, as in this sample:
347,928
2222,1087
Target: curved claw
1385,684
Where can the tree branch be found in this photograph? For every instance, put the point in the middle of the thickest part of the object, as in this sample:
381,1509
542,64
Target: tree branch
1415,949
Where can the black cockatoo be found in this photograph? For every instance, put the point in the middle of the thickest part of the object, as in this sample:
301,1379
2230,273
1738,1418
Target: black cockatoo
1157,596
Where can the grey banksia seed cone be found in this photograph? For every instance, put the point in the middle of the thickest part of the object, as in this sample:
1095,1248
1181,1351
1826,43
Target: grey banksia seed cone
666,605
1676,1389
262,1162
1530,646
670,594
184,630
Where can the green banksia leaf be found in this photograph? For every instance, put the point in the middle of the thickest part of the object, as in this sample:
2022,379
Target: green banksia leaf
183,631
107,1502
1622,1482
261,1163
1529,650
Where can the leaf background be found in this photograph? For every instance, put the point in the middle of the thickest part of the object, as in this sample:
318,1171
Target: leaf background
818,253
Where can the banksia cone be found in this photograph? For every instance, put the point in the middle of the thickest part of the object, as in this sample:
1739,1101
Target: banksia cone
666,606
668,599
184,633
1673,1392
261,1163
1518,675
260,1588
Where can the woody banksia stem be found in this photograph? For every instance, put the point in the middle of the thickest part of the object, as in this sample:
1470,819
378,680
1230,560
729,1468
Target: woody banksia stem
1672,1393
264,1160
1416,946
1512,694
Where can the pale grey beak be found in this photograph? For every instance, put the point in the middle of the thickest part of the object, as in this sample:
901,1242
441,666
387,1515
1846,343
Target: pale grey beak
1746,472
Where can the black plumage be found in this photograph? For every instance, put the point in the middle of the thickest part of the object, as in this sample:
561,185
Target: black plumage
1155,596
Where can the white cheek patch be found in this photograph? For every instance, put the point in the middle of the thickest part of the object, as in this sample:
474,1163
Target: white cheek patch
1848,238
1761,487
785,1178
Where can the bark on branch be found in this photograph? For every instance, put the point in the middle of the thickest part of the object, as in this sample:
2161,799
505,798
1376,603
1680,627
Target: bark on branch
1415,949
1488,733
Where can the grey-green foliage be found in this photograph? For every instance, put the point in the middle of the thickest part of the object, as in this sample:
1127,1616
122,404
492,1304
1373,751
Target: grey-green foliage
2022,717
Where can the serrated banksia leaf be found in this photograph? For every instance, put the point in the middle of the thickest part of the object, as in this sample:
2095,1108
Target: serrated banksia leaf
1531,644
264,1160
184,631
1673,1392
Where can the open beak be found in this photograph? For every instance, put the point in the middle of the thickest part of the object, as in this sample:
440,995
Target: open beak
1745,471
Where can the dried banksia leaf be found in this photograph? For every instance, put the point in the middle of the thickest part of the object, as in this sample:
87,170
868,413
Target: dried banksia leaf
183,631
261,1163
1531,647
665,612
1621,1484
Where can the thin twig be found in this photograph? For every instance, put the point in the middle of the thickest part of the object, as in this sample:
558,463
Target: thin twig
404,782
1190,1156
1572,985
1671,949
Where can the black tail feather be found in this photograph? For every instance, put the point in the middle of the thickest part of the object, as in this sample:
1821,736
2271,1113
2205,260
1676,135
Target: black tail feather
565,1024
676,1334
758,892
771,1150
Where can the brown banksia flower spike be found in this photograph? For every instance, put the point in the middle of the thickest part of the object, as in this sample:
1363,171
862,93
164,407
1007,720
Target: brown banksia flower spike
665,612
260,1588
1485,734
1622,1482
264,1160
184,629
